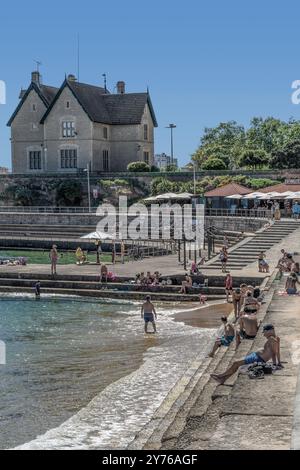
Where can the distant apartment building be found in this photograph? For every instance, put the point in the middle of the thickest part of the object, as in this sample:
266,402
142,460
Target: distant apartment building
64,129
162,160
3,170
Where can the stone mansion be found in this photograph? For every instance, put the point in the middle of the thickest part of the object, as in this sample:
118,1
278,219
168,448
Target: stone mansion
64,129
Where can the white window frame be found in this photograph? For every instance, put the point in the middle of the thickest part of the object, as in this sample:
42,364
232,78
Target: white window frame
68,129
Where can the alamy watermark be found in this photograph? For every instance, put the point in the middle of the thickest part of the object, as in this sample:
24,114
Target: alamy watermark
2,92
152,222
2,353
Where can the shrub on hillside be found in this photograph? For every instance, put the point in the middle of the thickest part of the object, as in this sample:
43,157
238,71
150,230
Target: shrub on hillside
138,167
214,164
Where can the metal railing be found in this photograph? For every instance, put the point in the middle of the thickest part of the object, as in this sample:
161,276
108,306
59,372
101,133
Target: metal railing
47,210
247,213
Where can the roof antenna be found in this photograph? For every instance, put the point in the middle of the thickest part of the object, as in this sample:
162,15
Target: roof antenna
104,76
38,64
78,57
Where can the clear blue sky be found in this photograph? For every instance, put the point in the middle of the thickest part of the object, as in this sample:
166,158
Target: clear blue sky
204,62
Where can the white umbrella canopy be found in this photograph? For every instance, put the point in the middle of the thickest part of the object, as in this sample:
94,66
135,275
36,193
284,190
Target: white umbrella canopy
151,199
98,236
165,196
276,195
234,196
287,193
267,196
184,196
254,195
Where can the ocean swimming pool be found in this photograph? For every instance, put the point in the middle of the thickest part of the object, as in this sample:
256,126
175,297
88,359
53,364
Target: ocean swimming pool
81,374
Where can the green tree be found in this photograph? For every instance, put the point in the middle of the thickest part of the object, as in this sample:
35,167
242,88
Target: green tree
138,167
69,193
171,168
224,141
154,169
254,158
214,164
288,157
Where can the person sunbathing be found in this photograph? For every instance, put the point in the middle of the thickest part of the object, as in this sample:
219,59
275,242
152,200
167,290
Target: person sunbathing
248,328
251,305
271,350
224,340
185,284
291,284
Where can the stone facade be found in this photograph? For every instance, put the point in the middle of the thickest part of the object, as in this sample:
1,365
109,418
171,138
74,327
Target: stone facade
40,145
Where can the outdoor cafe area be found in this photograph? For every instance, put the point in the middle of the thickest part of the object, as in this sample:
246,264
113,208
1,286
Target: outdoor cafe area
235,199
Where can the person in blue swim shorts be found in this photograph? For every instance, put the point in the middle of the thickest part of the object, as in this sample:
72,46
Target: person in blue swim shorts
227,337
271,350
148,312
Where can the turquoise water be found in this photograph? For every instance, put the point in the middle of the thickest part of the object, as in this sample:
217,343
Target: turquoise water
60,354
82,375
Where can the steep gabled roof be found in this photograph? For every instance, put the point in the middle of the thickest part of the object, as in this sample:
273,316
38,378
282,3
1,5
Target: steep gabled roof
228,190
107,108
45,92
128,108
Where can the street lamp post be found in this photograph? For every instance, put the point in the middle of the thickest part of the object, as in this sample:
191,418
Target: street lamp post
171,127
89,185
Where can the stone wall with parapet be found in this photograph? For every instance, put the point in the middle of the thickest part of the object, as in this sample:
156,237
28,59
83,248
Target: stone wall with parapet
235,224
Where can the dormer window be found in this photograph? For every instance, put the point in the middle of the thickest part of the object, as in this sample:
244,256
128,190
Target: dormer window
68,129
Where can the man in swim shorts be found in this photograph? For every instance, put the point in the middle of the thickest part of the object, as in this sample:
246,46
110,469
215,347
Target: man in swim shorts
148,313
226,339
271,350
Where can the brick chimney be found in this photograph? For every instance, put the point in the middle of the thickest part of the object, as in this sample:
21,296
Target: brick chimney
121,87
36,78
72,78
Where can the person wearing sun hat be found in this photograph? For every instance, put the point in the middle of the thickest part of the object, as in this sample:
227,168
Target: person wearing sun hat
271,350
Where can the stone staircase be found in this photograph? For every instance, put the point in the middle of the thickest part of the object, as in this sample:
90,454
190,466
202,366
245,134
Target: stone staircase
246,253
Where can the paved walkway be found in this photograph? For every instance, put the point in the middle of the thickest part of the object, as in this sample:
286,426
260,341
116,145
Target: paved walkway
167,265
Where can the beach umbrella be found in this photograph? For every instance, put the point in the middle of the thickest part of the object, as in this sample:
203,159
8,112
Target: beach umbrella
266,196
151,199
184,196
275,194
254,195
287,193
98,236
166,196
234,196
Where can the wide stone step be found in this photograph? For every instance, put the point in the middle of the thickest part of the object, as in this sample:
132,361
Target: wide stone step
107,293
71,285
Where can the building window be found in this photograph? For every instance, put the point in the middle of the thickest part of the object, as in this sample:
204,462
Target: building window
145,132
105,160
68,158
67,104
105,133
35,160
68,129
146,157
34,107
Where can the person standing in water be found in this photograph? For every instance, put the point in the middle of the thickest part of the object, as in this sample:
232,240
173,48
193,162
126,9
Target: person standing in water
53,255
37,290
148,312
